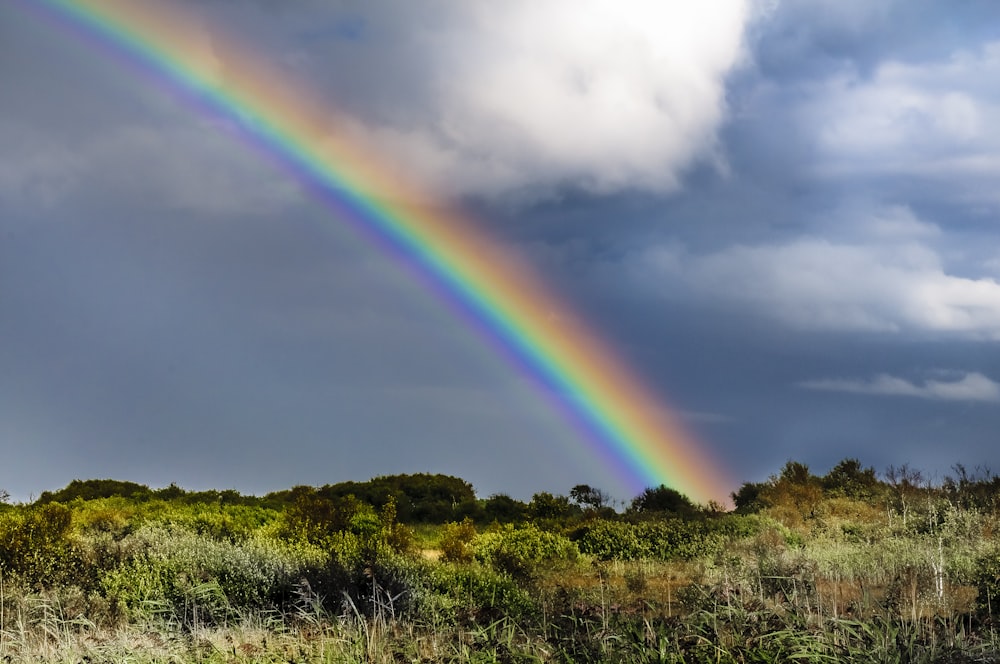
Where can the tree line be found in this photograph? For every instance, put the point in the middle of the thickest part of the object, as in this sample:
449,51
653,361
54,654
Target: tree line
795,493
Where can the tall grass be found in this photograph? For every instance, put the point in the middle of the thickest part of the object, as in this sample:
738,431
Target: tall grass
111,580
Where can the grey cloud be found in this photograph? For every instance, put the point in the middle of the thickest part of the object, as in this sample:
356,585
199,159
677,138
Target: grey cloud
973,386
889,278
189,166
930,120
484,99
543,96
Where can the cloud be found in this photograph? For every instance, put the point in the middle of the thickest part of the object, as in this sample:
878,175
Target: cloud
881,277
972,386
478,97
490,98
927,119
190,166
40,172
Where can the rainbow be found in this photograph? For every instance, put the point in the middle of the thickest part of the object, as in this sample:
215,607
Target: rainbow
618,417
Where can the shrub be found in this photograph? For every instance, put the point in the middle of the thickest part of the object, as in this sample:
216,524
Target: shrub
480,593
987,579
519,551
92,489
612,540
176,570
663,499
457,542
36,547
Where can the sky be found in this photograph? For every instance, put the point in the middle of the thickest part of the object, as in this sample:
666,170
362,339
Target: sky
782,215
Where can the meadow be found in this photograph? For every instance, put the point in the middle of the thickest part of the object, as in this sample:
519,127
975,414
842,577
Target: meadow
852,565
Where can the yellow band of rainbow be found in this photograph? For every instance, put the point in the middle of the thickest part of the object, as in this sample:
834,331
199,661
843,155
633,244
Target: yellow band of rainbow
620,419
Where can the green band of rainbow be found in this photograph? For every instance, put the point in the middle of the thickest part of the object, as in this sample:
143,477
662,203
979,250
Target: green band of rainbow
620,418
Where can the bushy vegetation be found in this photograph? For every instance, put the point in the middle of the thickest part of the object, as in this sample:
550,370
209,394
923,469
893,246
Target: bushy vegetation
850,565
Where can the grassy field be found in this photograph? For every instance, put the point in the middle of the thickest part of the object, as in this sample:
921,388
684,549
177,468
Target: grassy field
848,566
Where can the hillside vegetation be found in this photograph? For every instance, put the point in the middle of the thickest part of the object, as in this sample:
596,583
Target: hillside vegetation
852,565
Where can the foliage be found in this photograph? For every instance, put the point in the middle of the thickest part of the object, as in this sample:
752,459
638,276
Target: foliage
92,489
457,542
671,539
663,500
501,508
589,497
419,498
851,480
546,507
476,593
842,566
192,578
987,581
36,545
314,518
749,498
520,551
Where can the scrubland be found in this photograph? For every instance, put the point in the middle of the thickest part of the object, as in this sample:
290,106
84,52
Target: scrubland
852,565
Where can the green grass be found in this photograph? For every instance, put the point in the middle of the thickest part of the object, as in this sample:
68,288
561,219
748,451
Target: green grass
183,581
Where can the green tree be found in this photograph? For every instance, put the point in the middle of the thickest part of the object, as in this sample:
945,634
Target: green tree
795,494
503,509
749,499
93,489
548,507
663,500
851,480
587,496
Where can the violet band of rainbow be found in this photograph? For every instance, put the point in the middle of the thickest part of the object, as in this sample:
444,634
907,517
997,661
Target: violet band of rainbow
617,416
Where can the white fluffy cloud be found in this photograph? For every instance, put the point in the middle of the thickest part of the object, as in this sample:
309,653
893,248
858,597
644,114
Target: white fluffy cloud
885,278
463,98
526,95
928,119
972,386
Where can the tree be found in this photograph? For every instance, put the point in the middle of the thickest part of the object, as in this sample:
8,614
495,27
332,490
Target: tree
503,509
93,489
585,495
850,480
665,500
749,499
795,493
979,489
546,506
905,482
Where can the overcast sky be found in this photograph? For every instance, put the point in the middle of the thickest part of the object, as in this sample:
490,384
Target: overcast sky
782,214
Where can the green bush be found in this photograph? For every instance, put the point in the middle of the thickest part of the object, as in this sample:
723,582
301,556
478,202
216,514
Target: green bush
680,540
520,551
480,593
174,569
987,579
457,542
612,540
37,548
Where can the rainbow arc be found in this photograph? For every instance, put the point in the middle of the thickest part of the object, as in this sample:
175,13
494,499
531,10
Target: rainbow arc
618,417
